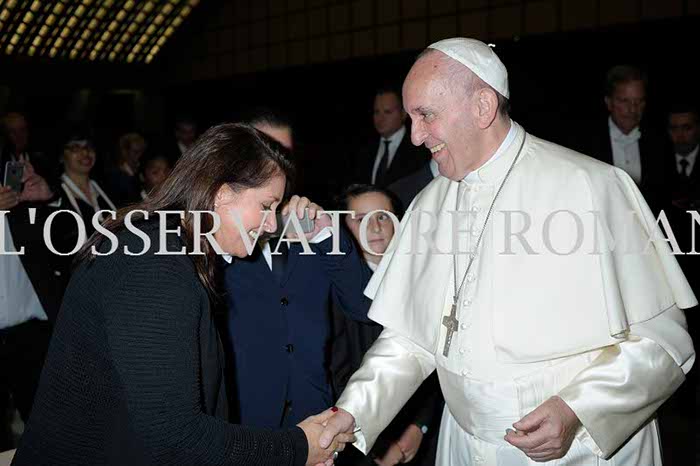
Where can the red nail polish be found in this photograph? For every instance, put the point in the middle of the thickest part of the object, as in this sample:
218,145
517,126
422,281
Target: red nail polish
334,409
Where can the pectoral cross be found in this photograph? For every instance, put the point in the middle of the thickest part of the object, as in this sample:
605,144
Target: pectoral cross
452,325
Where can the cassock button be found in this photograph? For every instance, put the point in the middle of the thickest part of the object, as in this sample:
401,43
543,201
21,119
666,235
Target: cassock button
470,277
464,326
284,301
475,232
290,348
462,351
467,302
476,209
475,189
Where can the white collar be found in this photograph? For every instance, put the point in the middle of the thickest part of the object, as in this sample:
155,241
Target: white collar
434,168
397,137
473,175
690,158
617,135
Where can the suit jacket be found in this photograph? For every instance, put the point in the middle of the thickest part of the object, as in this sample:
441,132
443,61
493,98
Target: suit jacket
685,196
685,188
408,187
407,159
657,171
279,332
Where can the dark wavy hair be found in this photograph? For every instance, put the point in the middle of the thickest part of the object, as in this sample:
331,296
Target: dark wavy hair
232,154
342,201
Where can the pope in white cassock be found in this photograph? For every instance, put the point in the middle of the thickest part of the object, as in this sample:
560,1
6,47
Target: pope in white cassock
561,334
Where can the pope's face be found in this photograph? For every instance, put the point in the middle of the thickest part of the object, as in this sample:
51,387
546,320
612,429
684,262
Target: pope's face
442,116
626,105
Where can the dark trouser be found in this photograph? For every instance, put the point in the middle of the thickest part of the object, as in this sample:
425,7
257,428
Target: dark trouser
22,352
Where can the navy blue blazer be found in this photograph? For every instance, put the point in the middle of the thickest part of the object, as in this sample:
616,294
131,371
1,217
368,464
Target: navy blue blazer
279,332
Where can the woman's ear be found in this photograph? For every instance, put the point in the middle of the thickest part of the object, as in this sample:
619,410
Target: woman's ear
222,195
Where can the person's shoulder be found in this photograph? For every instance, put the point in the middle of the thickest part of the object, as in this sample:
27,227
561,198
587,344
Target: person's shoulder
145,244
431,195
555,159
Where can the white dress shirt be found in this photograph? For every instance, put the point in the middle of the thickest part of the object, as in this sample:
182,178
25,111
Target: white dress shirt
690,158
19,302
625,150
395,141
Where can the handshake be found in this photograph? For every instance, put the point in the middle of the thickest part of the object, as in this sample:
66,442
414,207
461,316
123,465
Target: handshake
327,433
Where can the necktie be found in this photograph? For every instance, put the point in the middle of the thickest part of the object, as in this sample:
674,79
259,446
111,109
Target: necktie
279,261
684,167
383,164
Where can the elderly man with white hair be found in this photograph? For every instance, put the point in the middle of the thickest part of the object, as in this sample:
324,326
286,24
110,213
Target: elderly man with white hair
547,299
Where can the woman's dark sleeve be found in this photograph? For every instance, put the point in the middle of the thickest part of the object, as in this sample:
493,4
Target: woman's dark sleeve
152,324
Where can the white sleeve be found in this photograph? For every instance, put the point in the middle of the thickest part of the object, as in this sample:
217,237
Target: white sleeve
628,382
392,370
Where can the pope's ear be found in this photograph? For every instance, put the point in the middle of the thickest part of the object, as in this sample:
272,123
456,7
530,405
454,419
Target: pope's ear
487,106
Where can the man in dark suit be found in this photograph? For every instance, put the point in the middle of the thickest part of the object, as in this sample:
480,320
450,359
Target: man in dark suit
409,186
684,132
623,141
392,156
278,324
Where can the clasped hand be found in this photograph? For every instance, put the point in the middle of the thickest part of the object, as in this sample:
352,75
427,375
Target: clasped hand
327,433
546,433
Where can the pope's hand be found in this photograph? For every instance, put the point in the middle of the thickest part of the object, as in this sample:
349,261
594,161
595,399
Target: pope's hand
299,205
547,432
340,422
313,428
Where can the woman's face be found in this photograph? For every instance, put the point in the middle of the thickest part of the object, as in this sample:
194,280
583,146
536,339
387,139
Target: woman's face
380,229
78,158
249,205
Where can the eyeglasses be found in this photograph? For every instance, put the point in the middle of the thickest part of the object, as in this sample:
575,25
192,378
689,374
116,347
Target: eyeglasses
78,146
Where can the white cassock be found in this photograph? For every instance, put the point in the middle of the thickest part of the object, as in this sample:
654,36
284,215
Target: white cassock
569,303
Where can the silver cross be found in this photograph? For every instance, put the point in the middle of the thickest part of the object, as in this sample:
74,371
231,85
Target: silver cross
452,325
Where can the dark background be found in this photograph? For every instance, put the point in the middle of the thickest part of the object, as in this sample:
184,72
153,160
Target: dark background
556,83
